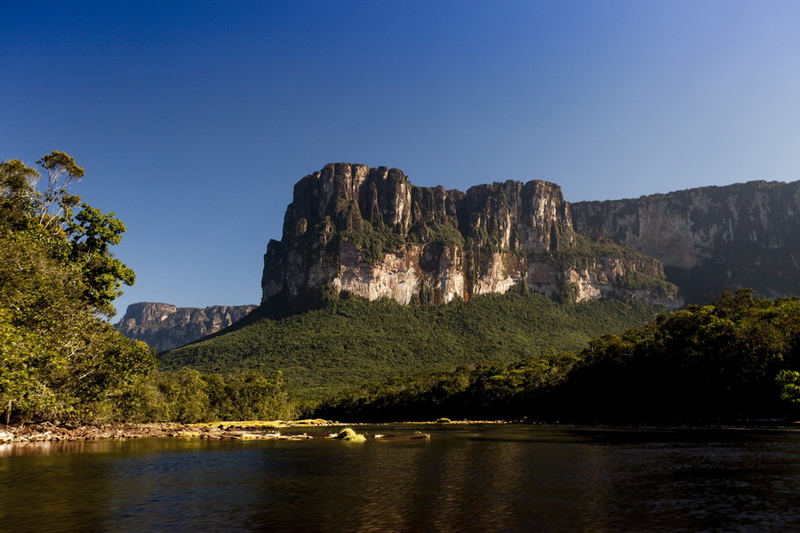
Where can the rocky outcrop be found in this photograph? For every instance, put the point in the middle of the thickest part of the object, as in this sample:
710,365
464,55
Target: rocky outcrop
710,239
370,232
164,326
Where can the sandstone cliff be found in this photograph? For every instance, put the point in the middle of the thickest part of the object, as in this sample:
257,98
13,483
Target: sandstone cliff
370,232
165,326
712,238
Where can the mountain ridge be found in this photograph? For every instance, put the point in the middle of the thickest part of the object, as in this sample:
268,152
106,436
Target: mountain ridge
370,232
710,239
165,326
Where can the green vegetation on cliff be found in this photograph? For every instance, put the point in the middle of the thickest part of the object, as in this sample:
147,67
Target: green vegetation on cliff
586,253
351,341
374,241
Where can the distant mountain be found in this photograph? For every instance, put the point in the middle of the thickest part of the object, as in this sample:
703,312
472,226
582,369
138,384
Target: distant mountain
165,326
709,239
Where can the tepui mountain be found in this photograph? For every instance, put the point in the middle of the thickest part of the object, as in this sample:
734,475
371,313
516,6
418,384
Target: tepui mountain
369,232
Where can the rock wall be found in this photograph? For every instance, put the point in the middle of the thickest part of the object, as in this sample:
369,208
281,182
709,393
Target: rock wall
370,232
710,239
164,326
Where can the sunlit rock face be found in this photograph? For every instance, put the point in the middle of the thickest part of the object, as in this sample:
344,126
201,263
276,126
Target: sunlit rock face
370,232
165,326
712,238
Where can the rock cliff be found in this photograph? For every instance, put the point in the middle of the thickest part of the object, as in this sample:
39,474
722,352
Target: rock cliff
712,238
370,232
165,326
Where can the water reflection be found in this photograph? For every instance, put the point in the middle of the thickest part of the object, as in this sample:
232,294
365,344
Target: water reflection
697,480
465,478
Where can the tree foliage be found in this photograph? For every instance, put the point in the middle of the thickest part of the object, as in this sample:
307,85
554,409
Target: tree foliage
351,341
737,359
56,203
789,383
188,396
482,391
711,362
91,234
59,360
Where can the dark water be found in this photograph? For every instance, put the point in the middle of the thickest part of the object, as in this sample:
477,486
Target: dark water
466,478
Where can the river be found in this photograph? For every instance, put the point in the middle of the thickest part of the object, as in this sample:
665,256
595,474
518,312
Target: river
464,478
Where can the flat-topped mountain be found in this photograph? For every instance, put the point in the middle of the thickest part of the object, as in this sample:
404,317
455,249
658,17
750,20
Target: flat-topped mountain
710,239
165,326
370,232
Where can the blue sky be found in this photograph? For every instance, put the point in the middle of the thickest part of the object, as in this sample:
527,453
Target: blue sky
195,119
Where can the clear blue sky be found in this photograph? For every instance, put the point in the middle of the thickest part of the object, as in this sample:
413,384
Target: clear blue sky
195,119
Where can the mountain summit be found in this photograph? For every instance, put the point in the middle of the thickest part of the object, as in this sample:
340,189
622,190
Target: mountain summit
370,232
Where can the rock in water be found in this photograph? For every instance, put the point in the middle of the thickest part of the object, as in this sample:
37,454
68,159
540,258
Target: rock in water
350,435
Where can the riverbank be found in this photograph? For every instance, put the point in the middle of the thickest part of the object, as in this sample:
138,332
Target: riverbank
275,429
238,430
47,432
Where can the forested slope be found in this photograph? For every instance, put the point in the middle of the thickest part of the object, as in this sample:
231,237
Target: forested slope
737,360
351,341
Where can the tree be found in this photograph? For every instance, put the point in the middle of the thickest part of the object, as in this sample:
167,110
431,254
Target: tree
789,381
705,362
17,193
62,171
59,360
91,234
16,365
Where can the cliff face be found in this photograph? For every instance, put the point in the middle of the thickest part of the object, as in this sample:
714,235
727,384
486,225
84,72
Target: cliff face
710,239
370,232
165,326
